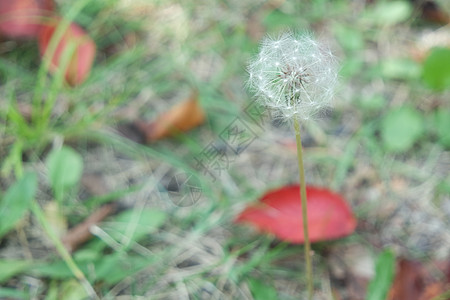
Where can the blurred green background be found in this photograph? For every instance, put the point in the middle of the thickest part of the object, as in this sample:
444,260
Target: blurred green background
384,146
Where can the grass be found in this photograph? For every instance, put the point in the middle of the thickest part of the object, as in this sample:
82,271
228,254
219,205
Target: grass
152,55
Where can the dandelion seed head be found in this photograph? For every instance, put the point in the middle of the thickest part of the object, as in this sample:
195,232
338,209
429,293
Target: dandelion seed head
294,75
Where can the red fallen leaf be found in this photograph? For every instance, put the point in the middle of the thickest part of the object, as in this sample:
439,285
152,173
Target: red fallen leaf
279,212
81,61
180,118
23,18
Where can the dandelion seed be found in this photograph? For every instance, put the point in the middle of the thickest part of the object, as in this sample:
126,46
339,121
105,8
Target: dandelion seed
296,76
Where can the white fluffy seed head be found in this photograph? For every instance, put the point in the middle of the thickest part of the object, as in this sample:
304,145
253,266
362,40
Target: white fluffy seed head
294,75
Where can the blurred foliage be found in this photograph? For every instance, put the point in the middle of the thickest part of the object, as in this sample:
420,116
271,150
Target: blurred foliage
65,167
442,125
16,202
384,275
401,128
436,69
388,13
392,117
261,290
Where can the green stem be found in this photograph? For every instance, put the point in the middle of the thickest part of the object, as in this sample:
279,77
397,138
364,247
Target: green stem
309,273
37,211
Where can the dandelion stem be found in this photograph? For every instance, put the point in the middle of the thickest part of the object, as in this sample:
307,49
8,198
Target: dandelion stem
309,273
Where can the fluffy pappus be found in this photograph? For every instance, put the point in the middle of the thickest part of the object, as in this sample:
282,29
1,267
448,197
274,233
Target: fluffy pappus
293,74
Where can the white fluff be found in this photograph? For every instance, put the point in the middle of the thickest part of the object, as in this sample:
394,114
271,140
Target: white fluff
293,75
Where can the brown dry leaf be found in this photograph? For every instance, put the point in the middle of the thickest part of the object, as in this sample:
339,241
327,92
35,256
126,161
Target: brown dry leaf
180,118
413,282
432,12
81,233
409,282
433,291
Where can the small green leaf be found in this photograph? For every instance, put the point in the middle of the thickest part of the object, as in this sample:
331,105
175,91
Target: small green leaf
52,291
16,202
384,274
115,267
11,268
54,270
442,123
69,289
400,69
372,103
261,290
350,67
350,38
401,128
277,18
72,290
134,224
444,186
389,13
65,167
436,69
7,293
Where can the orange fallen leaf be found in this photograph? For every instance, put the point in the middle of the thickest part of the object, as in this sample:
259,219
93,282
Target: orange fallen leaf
180,118
435,291
82,58
23,18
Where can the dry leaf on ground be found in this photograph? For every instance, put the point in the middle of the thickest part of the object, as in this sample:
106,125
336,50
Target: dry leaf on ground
413,282
74,39
279,212
81,233
180,118
23,18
